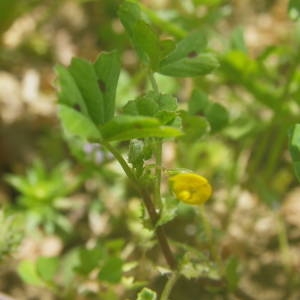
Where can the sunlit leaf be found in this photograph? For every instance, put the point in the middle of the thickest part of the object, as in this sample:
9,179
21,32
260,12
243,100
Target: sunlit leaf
27,271
69,93
215,113
47,267
89,260
231,273
198,65
169,211
146,294
143,37
86,80
194,127
217,116
190,46
107,67
294,9
124,128
77,124
294,146
111,271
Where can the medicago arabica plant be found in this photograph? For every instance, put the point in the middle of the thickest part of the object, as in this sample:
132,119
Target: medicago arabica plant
88,113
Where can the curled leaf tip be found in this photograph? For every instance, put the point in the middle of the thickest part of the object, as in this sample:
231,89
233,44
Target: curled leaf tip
191,188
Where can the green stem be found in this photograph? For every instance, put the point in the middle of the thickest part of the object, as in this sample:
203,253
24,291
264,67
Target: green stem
283,243
154,217
169,286
160,233
158,162
153,82
289,77
258,151
123,163
274,155
157,154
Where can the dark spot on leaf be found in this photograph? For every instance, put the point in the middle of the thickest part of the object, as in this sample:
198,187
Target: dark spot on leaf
102,86
192,54
77,107
138,126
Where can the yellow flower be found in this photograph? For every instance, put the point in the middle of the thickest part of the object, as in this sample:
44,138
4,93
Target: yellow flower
191,188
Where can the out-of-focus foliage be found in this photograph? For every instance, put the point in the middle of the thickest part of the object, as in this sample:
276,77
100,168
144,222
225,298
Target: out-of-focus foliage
11,233
43,194
84,233
10,10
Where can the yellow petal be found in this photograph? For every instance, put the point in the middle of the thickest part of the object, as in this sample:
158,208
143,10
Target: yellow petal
191,188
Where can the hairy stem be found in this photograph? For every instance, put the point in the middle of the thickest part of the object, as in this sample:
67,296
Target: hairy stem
153,82
160,233
283,243
158,162
169,286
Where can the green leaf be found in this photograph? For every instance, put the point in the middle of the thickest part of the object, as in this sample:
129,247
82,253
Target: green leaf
69,94
144,39
47,267
69,262
139,151
169,211
111,270
239,68
147,43
136,153
167,102
86,80
231,273
146,294
147,106
77,124
27,271
238,40
294,146
294,9
190,46
199,266
215,113
124,128
201,64
167,118
296,165
161,106
9,10
107,67
124,123
89,260
129,13
198,102
91,88
239,63
131,108
194,127
18,183
166,46
217,116
114,246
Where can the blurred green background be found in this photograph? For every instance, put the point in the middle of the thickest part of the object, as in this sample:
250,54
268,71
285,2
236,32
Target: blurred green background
71,201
